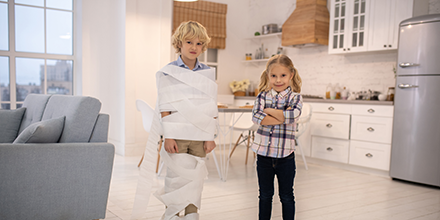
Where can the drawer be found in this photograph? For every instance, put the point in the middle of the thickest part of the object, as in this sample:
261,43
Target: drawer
331,108
330,149
330,125
372,110
374,129
243,102
370,155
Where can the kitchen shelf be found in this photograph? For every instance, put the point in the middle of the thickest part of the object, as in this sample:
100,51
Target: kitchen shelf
255,62
264,36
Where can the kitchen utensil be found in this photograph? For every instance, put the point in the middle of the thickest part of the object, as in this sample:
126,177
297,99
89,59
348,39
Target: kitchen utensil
270,28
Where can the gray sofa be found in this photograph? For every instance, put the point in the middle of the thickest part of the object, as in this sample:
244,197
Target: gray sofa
59,165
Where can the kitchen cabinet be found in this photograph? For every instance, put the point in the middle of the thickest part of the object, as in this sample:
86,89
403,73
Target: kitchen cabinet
356,134
330,131
385,17
371,134
348,26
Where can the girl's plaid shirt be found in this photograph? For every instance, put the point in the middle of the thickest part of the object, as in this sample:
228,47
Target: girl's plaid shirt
276,141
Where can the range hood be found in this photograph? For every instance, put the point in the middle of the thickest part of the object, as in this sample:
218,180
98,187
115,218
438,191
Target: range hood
308,25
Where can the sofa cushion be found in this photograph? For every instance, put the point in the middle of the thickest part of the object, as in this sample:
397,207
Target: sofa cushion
10,124
81,114
35,105
47,131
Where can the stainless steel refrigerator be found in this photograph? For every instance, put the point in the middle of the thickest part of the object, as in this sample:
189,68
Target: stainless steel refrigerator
415,151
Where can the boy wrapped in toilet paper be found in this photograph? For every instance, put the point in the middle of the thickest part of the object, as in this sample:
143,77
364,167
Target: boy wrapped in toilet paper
187,95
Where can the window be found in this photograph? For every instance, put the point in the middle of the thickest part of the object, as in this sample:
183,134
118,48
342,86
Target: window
36,49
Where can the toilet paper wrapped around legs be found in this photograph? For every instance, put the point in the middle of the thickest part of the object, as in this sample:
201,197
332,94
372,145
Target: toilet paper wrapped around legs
183,182
191,97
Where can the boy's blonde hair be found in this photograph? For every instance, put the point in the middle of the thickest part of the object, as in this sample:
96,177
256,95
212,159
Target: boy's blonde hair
187,31
285,61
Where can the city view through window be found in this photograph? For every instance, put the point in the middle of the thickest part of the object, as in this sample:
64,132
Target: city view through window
39,58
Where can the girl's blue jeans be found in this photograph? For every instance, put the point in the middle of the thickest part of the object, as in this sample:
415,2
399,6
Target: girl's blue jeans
285,170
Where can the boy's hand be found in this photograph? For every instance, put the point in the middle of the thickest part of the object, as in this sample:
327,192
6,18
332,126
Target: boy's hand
171,146
209,146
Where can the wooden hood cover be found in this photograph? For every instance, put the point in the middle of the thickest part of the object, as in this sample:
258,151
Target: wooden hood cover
308,24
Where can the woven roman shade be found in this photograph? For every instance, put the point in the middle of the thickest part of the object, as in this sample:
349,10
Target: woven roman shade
210,14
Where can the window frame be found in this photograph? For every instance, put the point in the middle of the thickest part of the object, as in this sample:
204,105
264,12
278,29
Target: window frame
12,54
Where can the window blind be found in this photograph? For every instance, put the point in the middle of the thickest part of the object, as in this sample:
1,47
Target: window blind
210,14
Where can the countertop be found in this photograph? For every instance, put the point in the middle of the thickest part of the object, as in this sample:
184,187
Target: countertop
336,101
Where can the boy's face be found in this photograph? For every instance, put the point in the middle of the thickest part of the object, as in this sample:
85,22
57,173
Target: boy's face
191,49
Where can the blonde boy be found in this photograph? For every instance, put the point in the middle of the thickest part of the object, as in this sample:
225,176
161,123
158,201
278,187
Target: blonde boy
188,107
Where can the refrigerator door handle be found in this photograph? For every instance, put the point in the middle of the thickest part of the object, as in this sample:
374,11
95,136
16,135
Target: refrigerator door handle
406,86
404,65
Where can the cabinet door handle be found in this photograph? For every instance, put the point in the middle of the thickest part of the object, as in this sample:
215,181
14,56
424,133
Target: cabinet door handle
370,110
389,45
348,48
370,129
329,125
369,155
331,108
344,49
384,45
329,149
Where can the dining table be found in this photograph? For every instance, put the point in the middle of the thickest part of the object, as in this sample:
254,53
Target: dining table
225,127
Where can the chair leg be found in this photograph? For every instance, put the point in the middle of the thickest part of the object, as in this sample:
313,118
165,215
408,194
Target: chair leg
158,154
236,144
302,153
247,147
216,164
142,159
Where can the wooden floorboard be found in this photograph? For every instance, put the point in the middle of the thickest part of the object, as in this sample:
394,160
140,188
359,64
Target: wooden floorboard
322,192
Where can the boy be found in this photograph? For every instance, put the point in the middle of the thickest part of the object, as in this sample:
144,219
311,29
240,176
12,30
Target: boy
187,105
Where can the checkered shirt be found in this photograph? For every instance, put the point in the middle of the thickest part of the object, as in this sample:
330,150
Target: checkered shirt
276,141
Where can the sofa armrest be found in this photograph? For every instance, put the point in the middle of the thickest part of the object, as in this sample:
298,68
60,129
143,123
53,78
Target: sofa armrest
55,181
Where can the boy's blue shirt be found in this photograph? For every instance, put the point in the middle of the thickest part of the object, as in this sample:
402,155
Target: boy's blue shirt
199,66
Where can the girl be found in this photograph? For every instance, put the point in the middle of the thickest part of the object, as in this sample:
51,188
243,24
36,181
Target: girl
276,110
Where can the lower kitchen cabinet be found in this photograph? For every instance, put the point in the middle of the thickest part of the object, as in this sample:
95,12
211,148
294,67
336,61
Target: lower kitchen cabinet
356,134
330,149
372,155
372,129
331,125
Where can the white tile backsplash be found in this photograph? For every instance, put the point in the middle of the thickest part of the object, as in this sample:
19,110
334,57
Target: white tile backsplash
434,6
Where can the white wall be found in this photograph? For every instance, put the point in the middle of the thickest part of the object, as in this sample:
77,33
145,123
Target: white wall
103,61
148,31
123,44
434,6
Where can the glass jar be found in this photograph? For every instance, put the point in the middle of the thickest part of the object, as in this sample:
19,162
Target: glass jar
390,94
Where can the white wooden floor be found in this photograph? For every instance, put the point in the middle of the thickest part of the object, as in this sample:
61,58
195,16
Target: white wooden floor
321,193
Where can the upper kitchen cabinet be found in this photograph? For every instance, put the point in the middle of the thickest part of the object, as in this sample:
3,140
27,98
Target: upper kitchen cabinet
348,26
385,17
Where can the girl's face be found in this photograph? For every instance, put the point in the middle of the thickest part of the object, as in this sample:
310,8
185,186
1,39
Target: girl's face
191,49
279,77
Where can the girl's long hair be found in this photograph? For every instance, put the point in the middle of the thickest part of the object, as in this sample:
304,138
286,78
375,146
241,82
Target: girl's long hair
284,60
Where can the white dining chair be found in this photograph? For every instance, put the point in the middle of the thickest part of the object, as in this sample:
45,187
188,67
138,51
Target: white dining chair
245,125
302,125
147,120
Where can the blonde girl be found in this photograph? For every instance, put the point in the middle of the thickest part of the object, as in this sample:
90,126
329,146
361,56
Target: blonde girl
276,110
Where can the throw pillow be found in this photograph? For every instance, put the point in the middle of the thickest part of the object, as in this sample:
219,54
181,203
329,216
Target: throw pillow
10,121
47,131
